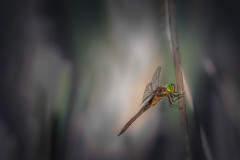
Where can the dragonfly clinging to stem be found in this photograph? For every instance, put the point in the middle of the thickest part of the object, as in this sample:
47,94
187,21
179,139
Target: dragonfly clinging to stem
153,94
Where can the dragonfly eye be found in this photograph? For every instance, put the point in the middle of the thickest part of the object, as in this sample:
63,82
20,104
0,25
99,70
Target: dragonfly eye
169,87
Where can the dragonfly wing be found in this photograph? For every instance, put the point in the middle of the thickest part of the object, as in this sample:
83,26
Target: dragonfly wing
155,78
148,92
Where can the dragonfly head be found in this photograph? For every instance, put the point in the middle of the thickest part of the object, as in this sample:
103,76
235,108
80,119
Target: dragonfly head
170,87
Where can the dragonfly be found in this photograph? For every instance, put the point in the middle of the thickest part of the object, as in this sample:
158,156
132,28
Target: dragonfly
153,94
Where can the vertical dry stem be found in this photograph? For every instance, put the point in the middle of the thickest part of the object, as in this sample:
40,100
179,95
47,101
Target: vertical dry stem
178,74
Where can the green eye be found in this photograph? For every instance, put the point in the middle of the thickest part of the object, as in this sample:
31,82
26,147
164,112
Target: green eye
169,87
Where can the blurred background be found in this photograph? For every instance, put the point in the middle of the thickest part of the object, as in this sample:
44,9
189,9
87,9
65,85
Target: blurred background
74,72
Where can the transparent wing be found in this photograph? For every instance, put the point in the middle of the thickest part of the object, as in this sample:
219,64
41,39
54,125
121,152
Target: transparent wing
148,92
155,78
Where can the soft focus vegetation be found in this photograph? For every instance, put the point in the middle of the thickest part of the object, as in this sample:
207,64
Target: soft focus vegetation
74,72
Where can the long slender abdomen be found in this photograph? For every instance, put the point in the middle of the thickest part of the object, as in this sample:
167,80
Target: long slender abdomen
141,111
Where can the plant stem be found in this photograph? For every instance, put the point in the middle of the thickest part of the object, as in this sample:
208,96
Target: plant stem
178,74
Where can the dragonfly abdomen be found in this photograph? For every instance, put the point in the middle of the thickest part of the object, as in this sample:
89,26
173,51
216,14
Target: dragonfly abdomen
142,110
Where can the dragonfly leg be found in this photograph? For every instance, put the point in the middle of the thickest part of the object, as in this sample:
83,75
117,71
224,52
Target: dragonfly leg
170,103
170,100
174,106
177,92
173,95
176,95
177,98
